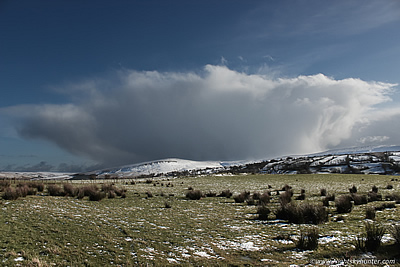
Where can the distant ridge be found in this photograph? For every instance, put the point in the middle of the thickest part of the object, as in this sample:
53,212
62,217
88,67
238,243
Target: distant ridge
310,163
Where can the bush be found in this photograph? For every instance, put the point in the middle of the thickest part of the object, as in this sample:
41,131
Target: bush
87,191
4,184
374,196
285,197
107,187
344,204
120,192
308,239
371,239
38,185
54,190
325,202
353,189
286,187
242,197
70,190
265,198
96,195
167,205
389,186
394,197
194,194
10,194
374,189
331,197
302,213
359,199
111,194
370,213
323,192
149,194
256,195
23,190
263,212
226,193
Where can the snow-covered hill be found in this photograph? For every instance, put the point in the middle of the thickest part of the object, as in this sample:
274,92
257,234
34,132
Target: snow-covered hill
367,160
165,166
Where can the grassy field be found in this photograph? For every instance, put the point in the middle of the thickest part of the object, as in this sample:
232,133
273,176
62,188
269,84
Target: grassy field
139,230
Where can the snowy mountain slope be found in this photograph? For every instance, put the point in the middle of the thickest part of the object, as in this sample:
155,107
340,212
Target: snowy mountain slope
164,166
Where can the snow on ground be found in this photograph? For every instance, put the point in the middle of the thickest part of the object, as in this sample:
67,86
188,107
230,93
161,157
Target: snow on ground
36,175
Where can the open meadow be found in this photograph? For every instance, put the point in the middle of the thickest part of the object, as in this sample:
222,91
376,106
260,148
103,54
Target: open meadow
154,222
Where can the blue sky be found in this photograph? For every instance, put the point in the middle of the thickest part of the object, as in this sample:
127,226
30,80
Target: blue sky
86,59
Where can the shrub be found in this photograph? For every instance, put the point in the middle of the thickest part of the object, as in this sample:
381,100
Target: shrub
331,197
286,187
225,193
22,190
323,192
353,189
70,190
373,196
395,232
325,202
371,239
120,191
167,205
54,190
111,194
263,212
38,185
370,213
285,197
242,197
194,194
389,186
394,197
359,199
344,204
10,194
87,191
4,184
302,213
256,195
149,194
308,239
107,187
96,195
250,201
265,198
374,189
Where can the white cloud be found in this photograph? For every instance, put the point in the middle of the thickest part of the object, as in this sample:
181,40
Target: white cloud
218,114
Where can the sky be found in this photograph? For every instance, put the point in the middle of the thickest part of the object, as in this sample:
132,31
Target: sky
93,84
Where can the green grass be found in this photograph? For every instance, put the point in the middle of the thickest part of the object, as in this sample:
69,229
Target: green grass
140,231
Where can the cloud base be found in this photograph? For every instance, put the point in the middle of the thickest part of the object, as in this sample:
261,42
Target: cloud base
217,114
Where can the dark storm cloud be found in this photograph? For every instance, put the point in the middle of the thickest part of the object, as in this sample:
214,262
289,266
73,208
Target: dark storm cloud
218,114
